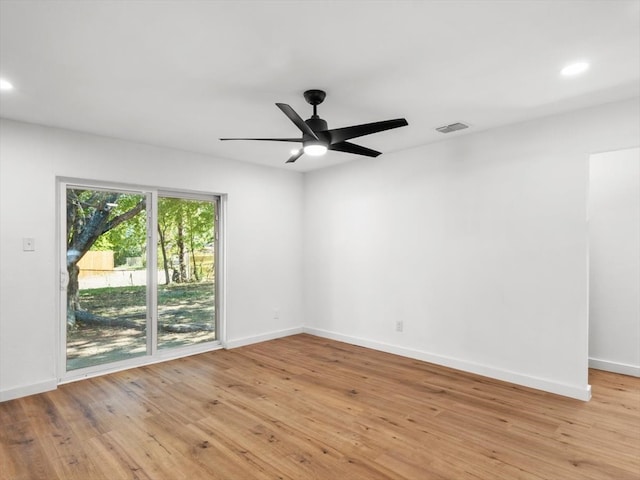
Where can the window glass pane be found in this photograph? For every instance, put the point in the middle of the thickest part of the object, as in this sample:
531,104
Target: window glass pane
106,263
186,271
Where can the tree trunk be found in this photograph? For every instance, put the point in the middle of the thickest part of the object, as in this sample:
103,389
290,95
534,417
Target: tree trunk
193,259
163,249
89,318
181,250
73,294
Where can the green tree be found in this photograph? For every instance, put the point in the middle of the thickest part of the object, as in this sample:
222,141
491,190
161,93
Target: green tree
168,210
199,229
102,220
128,239
184,226
91,214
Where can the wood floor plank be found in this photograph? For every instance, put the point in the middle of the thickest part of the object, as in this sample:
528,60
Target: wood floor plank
19,446
114,461
305,407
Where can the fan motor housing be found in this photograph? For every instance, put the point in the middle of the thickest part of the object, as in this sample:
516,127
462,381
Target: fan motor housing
316,124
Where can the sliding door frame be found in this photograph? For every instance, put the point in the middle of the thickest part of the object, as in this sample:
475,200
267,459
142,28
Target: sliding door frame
153,354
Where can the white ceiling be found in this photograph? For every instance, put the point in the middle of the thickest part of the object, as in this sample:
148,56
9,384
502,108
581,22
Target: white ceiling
184,73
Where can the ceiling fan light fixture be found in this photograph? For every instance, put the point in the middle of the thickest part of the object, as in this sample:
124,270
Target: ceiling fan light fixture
316,136
315,149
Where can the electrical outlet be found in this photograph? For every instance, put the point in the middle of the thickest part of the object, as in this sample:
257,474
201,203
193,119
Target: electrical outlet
399,325
276,313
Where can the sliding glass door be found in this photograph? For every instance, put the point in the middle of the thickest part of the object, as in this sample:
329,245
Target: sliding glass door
138,275
186,261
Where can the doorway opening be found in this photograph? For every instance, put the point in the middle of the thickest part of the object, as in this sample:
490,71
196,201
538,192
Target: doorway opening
614,261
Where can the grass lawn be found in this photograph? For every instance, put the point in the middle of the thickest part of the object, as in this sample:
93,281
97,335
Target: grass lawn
191,303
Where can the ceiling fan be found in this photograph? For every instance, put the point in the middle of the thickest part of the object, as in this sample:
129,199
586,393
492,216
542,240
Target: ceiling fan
317,138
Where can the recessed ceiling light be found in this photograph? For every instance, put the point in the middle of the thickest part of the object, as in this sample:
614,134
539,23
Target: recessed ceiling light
5,85
574,69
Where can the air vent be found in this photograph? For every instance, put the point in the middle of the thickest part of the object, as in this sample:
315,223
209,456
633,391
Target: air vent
452,128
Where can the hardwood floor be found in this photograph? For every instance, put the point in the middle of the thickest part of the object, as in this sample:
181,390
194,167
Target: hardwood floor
303,407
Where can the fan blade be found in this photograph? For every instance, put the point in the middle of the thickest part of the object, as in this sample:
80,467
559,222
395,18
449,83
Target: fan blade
353,148
267,139
295,118
295,156
341,134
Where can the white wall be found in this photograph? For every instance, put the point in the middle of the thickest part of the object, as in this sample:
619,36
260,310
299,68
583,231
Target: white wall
614,261
478,244
264,237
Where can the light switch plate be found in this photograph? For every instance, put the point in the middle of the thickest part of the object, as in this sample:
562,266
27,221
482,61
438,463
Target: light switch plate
28,244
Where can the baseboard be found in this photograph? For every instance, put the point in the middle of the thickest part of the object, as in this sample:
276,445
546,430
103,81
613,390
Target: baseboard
572,391
579,393
615,367
26,390
241,342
